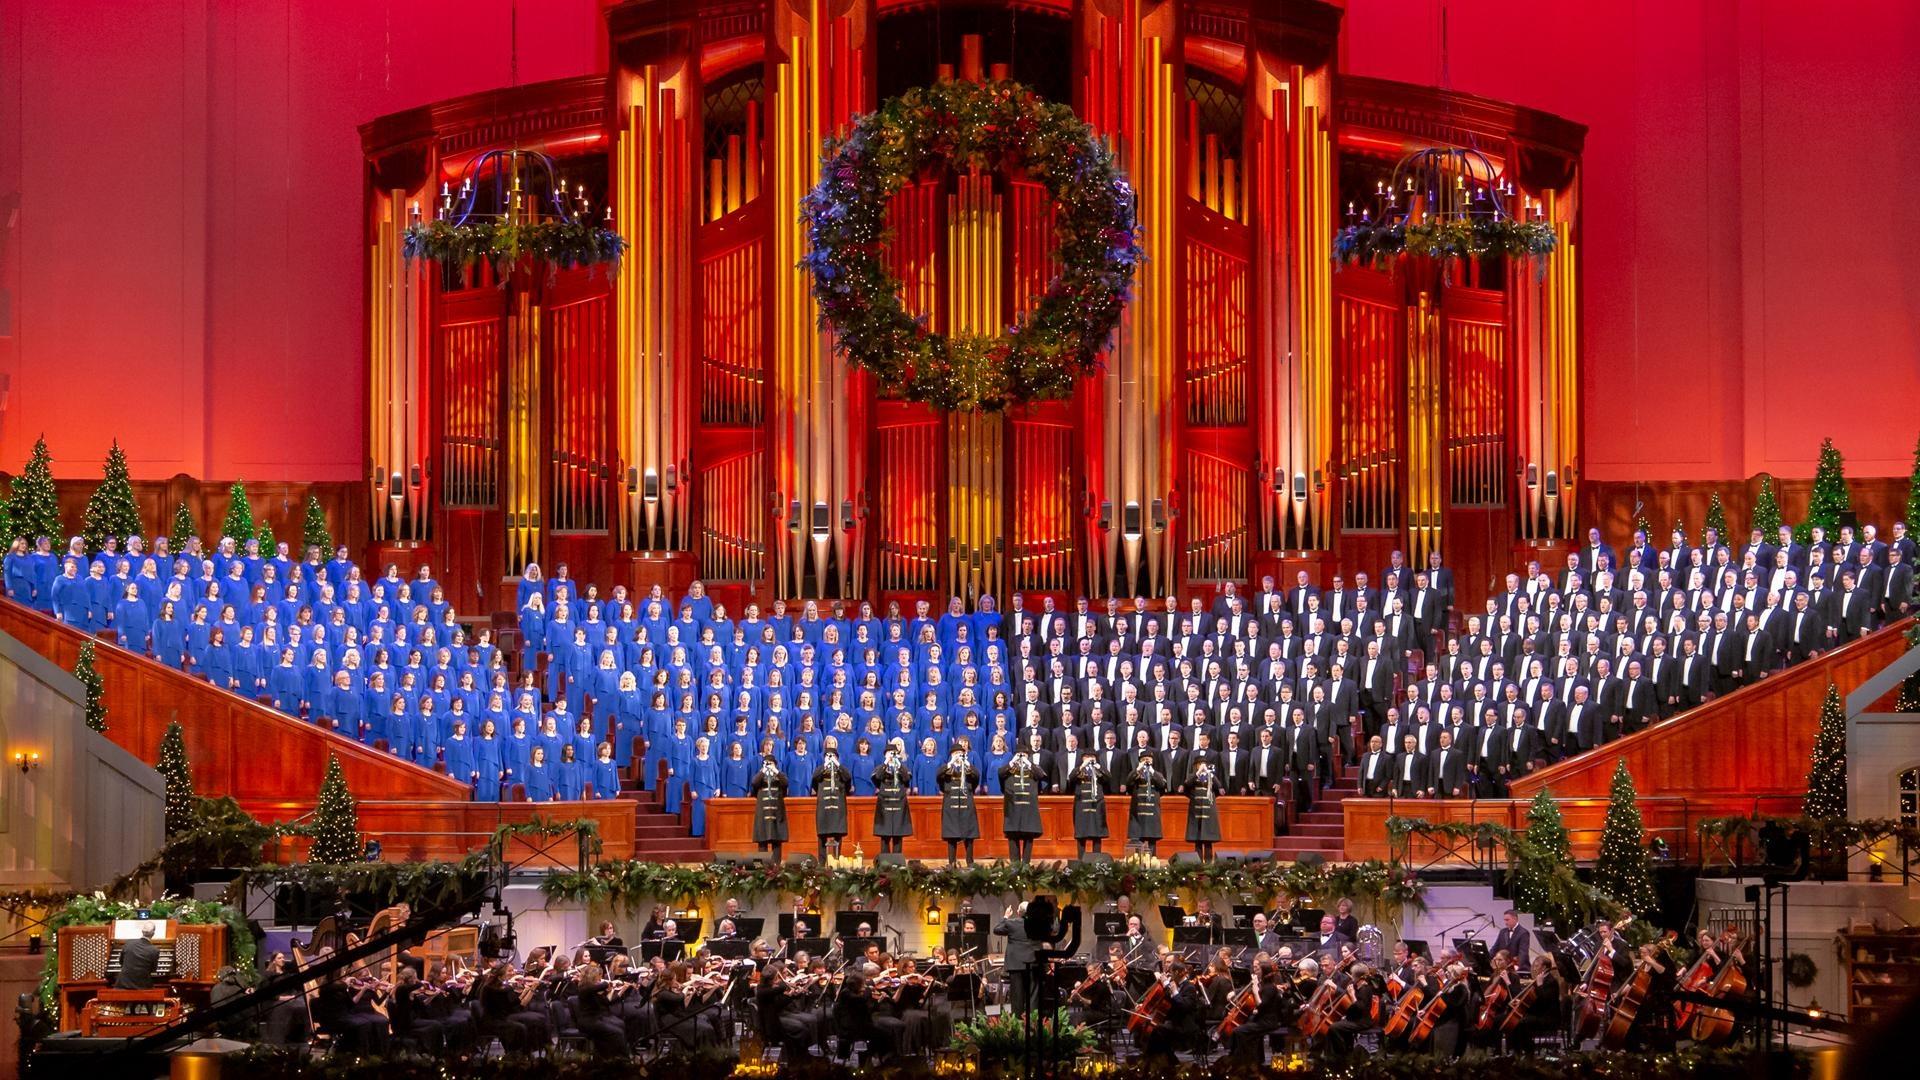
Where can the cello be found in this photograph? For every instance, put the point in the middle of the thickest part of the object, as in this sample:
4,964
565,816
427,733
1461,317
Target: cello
1151,1010
1695,979
1521,1005
1712,1025
1406,1011
1241,1006
1329,1002
1493,1002
1434,1010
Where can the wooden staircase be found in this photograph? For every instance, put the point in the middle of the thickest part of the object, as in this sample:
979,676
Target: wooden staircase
659,836
1321,830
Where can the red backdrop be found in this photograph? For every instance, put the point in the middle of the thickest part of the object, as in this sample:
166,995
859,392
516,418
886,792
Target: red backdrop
187,236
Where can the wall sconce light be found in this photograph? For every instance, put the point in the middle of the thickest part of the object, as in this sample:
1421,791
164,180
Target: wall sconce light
1105,520
933,913
1553,484
394,489
650,486
1299,487
1130,520
26,760
822,520
1533,476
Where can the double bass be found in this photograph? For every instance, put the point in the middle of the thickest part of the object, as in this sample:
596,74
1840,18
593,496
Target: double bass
1695,979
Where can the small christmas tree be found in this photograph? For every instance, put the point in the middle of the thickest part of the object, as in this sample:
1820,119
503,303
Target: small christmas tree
265,535
111,510
1717,517
314,533
1766,509
183,527
89,676
1546,834
1827,775
336,824
1913,491
239,521
35,505
1830,499
1622,871
179,776
1680,526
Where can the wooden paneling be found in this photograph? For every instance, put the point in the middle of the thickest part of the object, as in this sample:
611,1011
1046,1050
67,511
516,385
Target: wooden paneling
1672,818
281,504
1246,824
1609,504
410,830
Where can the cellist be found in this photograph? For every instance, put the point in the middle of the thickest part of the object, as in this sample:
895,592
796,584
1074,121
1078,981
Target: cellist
1270,1010
1494,996
1364,1014
1539,1004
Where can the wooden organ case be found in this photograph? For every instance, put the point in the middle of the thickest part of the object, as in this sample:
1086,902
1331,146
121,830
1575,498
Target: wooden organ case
1259,412
88,960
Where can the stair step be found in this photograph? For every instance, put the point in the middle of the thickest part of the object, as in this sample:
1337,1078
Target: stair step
1331,831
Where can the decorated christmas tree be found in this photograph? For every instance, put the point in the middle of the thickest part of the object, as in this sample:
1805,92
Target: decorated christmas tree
336,824
111,510
1827,775
1908,700
1547,835
89,676
183,527
1830,499
1717,517
35,506
1622,871
1913,491
1680,526
239,520
314,533
264,534
179,776
6,524
1766,509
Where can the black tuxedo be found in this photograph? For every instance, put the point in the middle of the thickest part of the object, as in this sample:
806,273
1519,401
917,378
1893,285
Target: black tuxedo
1410,779
1376,774
1447,769
1515,942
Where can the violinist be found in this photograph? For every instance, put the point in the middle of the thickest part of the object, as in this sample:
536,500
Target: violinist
594,1014
1147,784
892,821
504,1008
406,1014
907,1001
831,784
631,992
1089,786
854,1020
1102,996
679,1007
769,788
781,1003
959,819
345,1011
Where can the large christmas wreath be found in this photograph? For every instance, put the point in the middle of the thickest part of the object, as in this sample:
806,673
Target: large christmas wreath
958,124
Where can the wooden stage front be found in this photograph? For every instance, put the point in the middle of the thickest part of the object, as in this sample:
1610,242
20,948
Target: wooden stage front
1246,824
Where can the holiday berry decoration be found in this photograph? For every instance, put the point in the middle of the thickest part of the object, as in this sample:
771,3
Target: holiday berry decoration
1827,773
1623,871
336,822
111,511
965,125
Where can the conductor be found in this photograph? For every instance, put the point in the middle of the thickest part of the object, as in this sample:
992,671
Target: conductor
1020,955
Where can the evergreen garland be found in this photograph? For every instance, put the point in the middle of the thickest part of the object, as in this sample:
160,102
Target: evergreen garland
1827,775
35,506
174,767
239,520
1717,517
89,676
1909,699
336,824
313,532
1830,499
1766,509
1547,834
1622,871
183,528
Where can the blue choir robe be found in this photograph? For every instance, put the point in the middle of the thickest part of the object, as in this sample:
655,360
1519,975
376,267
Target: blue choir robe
131,624
679,757
348,710
992,773
316,683
287,684
735,776
570,781
217,665
629,724
71,600
517,754
170,642
250,667
539,782
486,761
926,770
862,766
552,742
605,779
458,754
18,578
800,770
703,781
525,588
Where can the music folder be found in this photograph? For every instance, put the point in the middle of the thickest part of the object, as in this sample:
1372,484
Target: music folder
664,949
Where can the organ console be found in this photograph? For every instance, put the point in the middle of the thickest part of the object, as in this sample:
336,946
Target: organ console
89,960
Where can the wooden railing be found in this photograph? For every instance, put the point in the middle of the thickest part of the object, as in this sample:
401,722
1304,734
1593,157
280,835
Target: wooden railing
272,763
1745,753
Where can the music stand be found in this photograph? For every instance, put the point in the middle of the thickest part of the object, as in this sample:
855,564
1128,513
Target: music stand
854,945
812,946
1239,938
1474,952
974,944
1416,947
1172,916
1102,943
689,928
669,951
1243,913
730,949
846,924
1308,920
1188,938
600,954
811,918
1109,924
748,928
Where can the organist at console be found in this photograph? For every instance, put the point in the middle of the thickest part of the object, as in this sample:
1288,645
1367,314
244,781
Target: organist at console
134,975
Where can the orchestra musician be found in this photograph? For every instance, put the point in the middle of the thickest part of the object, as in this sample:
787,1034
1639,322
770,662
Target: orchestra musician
1539,1006
1183,1026
769,788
